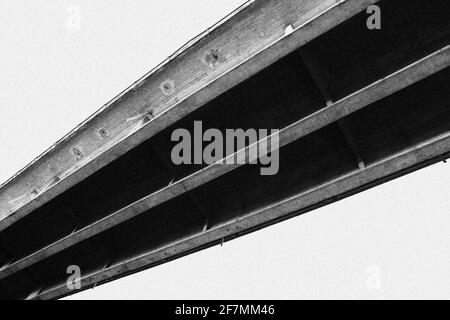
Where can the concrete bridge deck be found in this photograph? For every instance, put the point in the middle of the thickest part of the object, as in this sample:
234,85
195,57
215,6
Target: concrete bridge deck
355,108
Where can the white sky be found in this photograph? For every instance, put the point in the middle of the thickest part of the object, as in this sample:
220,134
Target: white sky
389,242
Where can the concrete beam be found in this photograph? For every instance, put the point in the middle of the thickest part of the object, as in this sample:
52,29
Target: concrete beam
430,151
218,60
329,114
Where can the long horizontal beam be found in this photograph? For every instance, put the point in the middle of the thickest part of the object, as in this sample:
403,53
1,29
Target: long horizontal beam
329,114
405,160
258,35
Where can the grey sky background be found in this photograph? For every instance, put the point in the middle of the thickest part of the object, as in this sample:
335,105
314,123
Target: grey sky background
392,241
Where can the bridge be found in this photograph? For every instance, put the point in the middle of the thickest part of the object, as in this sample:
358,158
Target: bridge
356,104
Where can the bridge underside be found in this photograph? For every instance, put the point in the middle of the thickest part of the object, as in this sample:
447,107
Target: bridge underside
355,108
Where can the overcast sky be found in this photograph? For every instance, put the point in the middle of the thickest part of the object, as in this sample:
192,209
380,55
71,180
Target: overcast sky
62,60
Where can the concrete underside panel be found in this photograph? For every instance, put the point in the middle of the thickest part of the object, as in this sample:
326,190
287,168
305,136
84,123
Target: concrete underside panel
355,107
